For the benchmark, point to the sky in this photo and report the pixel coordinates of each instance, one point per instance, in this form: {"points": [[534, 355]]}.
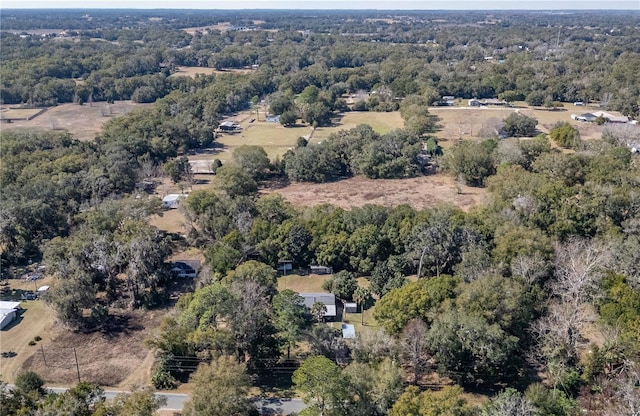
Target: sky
{"points": [[326, 4]]}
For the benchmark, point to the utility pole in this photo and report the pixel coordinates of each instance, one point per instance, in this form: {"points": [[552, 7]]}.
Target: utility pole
{"points": [[75, 354], [43, 356]]}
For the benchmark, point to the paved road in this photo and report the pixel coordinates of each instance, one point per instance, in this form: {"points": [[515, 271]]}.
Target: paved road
{"points": [[176, 401]]}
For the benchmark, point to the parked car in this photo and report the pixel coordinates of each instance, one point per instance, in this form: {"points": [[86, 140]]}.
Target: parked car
{"points": [[28, 296]]}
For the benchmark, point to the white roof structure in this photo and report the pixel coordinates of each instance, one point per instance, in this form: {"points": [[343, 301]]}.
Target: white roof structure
{"points": [[611, 117], [172, 197], [9, 305], [43, 288], [348, 331], [8, 312]]}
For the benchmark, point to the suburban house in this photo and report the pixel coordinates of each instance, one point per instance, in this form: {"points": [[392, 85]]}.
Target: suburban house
{"points": [[185, 268], [172, 201], [328, 299], [8, 312]]}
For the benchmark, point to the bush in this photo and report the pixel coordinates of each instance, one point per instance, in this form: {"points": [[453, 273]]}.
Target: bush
{"points": [[37, 338], [29, 381], [565, 135], [32, 343], [519, 125]]}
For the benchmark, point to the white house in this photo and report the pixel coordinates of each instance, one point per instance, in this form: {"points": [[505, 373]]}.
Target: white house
{"points": [[172, 201], [8, 312]]}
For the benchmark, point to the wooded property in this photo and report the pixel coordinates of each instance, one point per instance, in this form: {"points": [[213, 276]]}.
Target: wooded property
{"points": [[371, 212]]}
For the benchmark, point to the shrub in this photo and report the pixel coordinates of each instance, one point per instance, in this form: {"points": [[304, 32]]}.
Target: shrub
{"points": [[29, 381], [565, 135]]}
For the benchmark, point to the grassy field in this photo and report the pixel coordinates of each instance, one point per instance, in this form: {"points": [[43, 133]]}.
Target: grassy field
{"points": [[36, 320], [84, 122], [465, 122], [297, 283], [273, 137], [381, 122], [192, 71]]}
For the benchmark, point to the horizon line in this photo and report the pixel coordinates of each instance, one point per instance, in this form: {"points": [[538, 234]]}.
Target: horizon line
{"points": [[315, 9]]}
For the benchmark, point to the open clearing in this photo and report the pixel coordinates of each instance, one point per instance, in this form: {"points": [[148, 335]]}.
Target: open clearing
{"points": [[36, 320], [192, 71], [472, 122], [84, 122], [421, 192], [277, 139], [114, 356], [380, 122], [107, 357]]}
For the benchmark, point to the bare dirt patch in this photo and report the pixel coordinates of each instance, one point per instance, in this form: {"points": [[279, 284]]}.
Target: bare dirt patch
{"points": [[422, 192], [84, 122]]}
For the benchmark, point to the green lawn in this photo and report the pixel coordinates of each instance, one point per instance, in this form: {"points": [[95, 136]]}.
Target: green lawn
{"points": [[381, 122], [302, 284]]}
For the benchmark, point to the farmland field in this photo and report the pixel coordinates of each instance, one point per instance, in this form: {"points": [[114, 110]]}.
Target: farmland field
{"points": [[84, 122]]}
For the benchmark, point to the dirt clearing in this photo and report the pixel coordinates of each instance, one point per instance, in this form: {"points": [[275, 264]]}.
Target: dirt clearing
{"points": [[420, 193]]}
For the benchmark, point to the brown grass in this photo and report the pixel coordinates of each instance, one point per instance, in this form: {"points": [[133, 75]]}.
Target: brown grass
{"points": [[422, 192], [301, 284], [192, 71], [106, 358], [464, 123], [37, 320], [84, 122]]}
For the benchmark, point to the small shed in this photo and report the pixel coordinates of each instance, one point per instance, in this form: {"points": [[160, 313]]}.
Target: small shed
{"points": [[8, 312], [351, 307], [474, 103], [172, 201], [320, 270], [42, 290], [348, 331], [228, 126]]}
